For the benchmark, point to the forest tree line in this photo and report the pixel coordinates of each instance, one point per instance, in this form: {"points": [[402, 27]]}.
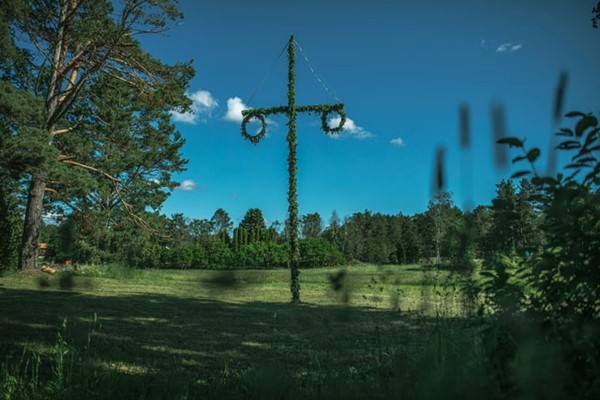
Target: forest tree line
{"points": [[442, 234]]}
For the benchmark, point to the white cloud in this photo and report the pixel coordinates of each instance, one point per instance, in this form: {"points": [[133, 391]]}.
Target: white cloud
{"points": [[516, 47], [350, 128], [235, 106], [187, 185], [203, 103], [506, 47], [398, 142]]}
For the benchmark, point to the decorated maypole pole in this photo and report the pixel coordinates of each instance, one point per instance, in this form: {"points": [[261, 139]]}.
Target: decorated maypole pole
{"points": [[292, 110]]}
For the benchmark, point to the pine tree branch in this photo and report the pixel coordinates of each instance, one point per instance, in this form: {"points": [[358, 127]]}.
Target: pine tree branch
{"points": [[128, 208], [63, 131], [62, 198], [134, 65], [136, 218], [70, 161]]}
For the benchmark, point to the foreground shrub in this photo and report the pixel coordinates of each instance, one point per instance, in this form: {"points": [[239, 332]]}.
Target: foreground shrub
{"points": [[561, 283]]}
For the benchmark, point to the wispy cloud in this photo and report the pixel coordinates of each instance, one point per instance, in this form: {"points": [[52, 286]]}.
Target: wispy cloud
{"points": [[203, 103], [508, 47], [516, 47], [187, 185], [235, 106], [398, 142], [350, 128]]}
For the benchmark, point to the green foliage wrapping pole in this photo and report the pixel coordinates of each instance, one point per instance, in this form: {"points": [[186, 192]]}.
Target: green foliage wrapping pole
{"points": [[292, 110], [292, 170]]}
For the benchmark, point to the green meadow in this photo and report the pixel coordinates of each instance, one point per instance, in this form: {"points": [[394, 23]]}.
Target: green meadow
{"points": [[361, 331]]}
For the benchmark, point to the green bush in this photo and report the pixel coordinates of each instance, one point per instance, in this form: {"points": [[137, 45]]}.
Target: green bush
{"points": [[318, 252], [561, 281], [218, 254], [263, 255]]}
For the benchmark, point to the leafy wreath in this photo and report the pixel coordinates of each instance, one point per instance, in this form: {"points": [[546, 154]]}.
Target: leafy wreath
{"points": [[263, 130], [325, 125]]}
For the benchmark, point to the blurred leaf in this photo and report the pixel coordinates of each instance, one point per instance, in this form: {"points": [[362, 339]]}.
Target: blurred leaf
{"points": [[465, 128], [536, 180], [533, 154], [566, 132], [586, 160], [536, 198], [591, 137], [586, 122], [224, 280], [520, 174], [591, 177], [518, 158], [569, 145], [337, 280], [574, 114], [511, 141], [560, 95]]}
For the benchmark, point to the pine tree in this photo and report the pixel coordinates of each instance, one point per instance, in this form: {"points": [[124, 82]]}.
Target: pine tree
{"points": [[505, 219], [311, 225], [254, 224], [74, 44], [221, 223], [515, 222]]}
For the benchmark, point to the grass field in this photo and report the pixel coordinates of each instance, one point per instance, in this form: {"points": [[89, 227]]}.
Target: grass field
{"points": [[361, 331]]}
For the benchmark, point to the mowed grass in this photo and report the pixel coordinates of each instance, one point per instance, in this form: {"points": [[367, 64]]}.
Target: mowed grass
{"points": [[222, 334]]}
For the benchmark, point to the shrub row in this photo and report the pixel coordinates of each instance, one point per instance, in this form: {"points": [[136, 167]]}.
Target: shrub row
{"points": [[213, 253]]}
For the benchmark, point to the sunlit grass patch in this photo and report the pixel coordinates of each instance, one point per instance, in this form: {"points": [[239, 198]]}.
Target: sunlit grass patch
{"points": [[212, 331]]}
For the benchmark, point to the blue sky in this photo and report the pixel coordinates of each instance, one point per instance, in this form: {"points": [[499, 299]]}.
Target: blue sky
{"points": [[402, 69]]}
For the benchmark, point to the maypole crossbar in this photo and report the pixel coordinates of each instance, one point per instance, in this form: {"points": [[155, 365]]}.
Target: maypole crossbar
{"points": [[292, 110]]}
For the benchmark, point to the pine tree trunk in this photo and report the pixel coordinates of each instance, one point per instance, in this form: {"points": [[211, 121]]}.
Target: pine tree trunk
{"points": [[33, 215], [33, 220]]}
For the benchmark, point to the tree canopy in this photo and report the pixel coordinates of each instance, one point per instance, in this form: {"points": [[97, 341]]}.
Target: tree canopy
{"points": [[80, 93]]}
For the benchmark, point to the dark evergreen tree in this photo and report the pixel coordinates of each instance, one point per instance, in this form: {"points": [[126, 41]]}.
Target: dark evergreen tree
{"points": [[481, 222], [253, 223], [333, 231], [221, 224], [10, 221], [179, 233], [529, 234], [200, 228], [515, 221], [408, 247], [311, 225], [505, 219]]}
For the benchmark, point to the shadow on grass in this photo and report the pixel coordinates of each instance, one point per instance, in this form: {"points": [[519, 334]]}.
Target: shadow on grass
{"points": [[151, 329], [153, 337]]}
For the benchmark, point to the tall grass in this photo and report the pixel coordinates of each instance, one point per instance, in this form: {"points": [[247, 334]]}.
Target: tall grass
{"points": [[156, 342]]}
